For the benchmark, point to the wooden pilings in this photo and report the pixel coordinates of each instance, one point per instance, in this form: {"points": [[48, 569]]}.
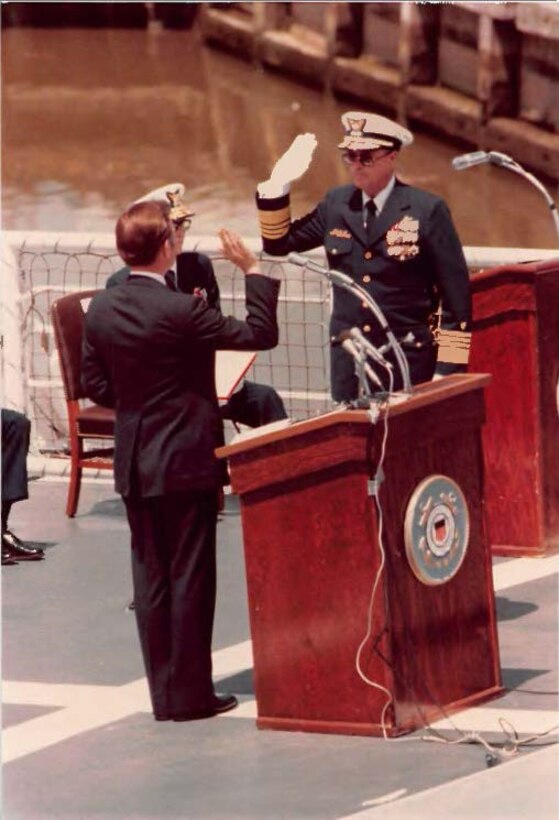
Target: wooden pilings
{"points": [[483, 73]]}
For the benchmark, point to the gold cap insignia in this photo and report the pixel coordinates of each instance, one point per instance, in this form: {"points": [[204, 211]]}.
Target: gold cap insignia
{"points": [[179, 212], [356, 127]]}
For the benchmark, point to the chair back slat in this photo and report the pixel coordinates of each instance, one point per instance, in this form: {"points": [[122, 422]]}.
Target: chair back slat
{"points": [[68, 315]]}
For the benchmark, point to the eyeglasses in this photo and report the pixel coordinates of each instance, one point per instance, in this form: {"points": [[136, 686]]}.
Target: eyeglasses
{"points": [[365, 158], [182, 224]]}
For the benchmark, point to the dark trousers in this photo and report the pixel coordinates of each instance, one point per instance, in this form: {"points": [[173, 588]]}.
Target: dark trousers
{"points": [[16, 430], [174, 574], [254, 404]]}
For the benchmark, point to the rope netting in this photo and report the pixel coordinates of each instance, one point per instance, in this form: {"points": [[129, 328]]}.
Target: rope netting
{"points": [[43, 272]]}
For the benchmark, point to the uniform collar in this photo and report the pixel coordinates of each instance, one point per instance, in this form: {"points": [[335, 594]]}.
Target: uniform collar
{"points": [[382, 196]]}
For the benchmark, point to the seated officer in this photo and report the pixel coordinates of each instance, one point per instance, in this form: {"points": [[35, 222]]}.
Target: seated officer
{"points": [[252, 404]]}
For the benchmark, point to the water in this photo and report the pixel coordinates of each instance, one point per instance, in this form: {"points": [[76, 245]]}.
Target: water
{"points": [[93, 119]]}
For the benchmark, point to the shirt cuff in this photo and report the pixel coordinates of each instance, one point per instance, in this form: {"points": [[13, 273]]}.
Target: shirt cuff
{"points": [[271, 189]]}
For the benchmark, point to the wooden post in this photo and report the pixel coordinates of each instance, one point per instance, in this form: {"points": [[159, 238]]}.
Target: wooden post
{"points": [[499, 52], [418, 43]]}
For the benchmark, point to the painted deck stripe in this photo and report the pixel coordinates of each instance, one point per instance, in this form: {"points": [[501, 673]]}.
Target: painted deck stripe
{"points": [[527, 782], [486, 719], [82, 708], [522, 570]]}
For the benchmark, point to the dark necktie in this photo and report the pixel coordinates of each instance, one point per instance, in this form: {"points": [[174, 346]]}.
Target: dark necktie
{"points": [[170, 280], [371, 216]]}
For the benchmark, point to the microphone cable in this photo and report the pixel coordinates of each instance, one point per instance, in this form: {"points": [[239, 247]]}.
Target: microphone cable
{"points": [[376, 480]]}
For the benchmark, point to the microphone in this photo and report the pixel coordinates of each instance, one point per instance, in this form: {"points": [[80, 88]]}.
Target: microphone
{"points": [[374, 353], [350, 347], [468, 160], [335, 276], [496, 158]]}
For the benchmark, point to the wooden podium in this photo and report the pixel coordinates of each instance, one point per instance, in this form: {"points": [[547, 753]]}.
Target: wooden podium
{"points": [[312, 555], [516, 339]]}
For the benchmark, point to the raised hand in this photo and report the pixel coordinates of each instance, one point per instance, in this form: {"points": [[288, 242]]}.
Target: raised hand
{"points": [[235, 250], [293, 164], [290, 166]]}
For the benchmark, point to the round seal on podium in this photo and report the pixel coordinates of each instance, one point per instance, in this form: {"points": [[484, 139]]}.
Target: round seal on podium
{"points": [[436, 530]]}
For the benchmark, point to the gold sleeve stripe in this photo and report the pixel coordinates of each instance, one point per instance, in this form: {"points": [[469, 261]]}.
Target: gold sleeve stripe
{"points": [[274, 224], [276, 233], [454, 346]]}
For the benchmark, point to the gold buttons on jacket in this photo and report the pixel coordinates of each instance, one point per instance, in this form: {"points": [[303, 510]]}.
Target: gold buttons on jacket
{"points": [[367, 278], [368, 255], [367, 328], [334, 251]]}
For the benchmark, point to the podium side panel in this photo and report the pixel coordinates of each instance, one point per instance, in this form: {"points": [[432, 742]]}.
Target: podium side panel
{"points": [[505, 345], [516, 339], [547, 295], [511, 436], [311, 558]]}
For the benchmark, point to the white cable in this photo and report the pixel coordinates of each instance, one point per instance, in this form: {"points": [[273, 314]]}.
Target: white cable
{"points": [[360, 672]]}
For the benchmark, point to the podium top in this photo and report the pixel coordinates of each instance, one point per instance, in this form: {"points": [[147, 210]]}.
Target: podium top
{"points": [[524, 271], [423, 395]]}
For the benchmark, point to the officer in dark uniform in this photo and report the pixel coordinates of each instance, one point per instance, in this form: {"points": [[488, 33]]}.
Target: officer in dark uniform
{"points": [[396, 241], [252, 404]]}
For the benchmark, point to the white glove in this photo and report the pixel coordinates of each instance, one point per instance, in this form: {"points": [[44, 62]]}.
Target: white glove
{"points": [[290, 166]]}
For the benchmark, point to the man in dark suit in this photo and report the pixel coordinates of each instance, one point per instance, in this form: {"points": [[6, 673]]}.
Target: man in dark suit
{"points": [[149, 352], [252, 404], [16, 429], [396, 241]]}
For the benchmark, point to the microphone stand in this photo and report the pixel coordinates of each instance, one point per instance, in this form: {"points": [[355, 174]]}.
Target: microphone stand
{"points": [[365, 396], [504, 161], [507, 162], [344, 281]]}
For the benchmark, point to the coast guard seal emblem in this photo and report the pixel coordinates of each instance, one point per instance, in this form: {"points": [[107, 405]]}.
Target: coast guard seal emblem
{"points": [[436, 530]]}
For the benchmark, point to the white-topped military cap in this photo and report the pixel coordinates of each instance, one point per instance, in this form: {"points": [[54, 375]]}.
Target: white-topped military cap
{"points": [[364, 132], [173, 195]]}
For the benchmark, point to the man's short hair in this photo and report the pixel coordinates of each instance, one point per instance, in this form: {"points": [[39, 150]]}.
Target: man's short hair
{"points": [[140, 232]]}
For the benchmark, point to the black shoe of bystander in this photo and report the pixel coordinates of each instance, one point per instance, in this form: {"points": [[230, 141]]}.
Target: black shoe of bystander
{"points": [[14, 548]]}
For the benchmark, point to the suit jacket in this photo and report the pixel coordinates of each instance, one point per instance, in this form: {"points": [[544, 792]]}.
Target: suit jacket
{"points": [[149, 352], [194, 272], [411, 261]]}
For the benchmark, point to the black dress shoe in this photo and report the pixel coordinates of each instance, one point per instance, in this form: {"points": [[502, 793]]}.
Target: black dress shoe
{"points": [[218, 706], [224, 703], [14, 547], [7, 560]]}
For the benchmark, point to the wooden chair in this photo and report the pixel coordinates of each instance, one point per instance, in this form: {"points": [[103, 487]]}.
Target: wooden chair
{"points": [[84, 421]]}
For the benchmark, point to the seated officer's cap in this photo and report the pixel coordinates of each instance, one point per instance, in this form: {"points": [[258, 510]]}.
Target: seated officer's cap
{"points": [[171, 194], [365, 132]]}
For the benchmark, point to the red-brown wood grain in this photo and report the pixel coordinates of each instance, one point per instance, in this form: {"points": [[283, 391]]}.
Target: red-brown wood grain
{"points": [[516, 339], [312, 552]]}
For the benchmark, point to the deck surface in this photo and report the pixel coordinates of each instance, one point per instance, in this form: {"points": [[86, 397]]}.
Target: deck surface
{"points": [[80, 742]]}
